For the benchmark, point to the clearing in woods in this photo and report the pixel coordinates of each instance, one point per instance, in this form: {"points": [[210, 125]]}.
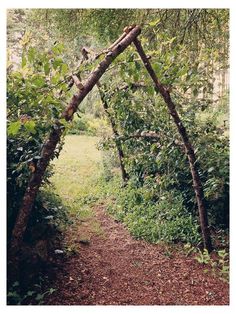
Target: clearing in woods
{"points": [[104, 264]]}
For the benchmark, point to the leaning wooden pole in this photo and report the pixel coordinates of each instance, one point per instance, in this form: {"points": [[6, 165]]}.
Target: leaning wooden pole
{"points": [[197, 185], [124, 173], [55, 135]]}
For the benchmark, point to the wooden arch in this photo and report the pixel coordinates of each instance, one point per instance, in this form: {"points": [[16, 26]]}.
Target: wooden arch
{"points": [[127, 38]]}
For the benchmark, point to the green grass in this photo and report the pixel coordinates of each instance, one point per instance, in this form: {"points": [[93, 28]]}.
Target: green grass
{"points": [[78, 181], [76, 173], [77, 168], [79, 175]]}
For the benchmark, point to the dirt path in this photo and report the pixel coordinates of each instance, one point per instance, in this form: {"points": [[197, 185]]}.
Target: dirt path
{"points": [[115, 269]]}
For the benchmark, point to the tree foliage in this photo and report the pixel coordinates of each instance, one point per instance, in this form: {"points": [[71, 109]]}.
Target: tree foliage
{"points": [[36, 94]]}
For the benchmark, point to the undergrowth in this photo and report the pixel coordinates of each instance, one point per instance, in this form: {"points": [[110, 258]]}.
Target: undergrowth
{"points": [[147, 215], [216, 263]]}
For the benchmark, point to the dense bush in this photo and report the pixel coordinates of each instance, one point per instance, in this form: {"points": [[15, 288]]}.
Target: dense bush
{"points": [[155, 217], [36, 93], [159, 202], [89, 125], [36, 96]]}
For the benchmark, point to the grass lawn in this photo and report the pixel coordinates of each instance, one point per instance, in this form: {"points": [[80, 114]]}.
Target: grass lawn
{"points": [[76, 181], [77, 168]]}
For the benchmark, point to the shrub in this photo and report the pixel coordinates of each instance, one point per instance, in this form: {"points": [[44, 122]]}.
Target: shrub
{"points": [[36, 92], [90, 125], [155, 217]]}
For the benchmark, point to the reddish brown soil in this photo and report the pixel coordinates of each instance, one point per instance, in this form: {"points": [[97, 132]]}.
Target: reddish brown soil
{"points": [[115, 269]]}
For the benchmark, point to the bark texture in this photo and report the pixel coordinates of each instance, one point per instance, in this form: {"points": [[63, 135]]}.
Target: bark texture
{"points": [[197, 185], [54, 137]]}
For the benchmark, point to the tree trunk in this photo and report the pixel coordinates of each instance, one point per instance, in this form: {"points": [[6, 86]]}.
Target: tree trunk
{"points": [[33, 186], [54, 137], [197, 185]]}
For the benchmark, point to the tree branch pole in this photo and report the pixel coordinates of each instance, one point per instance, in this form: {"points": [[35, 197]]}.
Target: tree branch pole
{"points": [[124, 174], [197, 185], [55, 135]]}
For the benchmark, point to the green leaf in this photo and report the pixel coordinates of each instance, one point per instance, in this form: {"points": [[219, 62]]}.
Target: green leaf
{"points": [[222, 253], [154, 23], [136, 77], [46, 68], [39, 297], [137, 65], [23, 61], [58, 49], [64, 68], [38, 81], [31, 54], [30, 293], [183, 71], [195, 92], [63, 121], [150, 91], [30, 126], [211, 169], [56, 78], [57, 63], [16, 284], [13, 294], [13, 128], [157, 68], [51, 290]]}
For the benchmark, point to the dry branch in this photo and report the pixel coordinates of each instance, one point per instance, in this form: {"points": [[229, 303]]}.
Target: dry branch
{"points": [[126, 30], [121, 156]]}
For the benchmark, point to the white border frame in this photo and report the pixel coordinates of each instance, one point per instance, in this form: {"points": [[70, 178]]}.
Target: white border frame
{"points": [[116, 4]]}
